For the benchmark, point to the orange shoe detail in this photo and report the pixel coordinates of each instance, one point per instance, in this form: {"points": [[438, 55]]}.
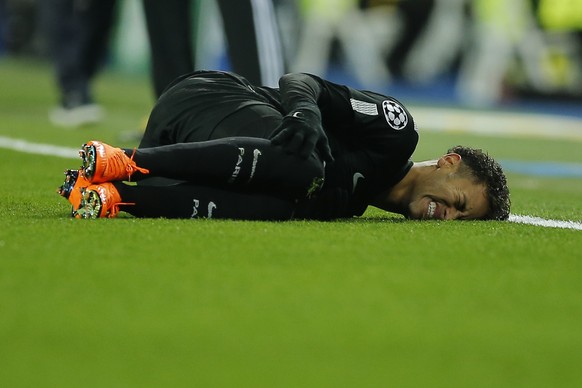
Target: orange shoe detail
{"points": [[74, 181], [104, 163], [98, 201]]}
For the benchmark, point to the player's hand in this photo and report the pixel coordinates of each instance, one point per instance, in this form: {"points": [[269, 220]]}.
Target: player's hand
{"points": [[300, 133]]}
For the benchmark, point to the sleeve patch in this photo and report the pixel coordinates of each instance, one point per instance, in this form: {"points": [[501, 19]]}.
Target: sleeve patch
{"points": [[365, 108], [395, 114]]}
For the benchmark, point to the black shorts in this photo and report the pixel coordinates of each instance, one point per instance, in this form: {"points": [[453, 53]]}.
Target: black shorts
{"points": [[207, 106]]}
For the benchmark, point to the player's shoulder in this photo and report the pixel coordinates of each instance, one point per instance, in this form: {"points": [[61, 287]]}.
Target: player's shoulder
{"points": [[382, 107]]}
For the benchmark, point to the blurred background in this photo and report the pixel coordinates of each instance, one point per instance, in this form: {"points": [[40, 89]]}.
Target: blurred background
{"points": [[479, 54]]}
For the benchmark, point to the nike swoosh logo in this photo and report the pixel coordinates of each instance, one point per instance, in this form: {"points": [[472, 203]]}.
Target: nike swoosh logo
{"points": [[256, 154], [355, 179], [211, 207]]}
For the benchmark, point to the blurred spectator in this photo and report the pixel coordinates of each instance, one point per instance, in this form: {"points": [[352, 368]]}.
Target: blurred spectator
{"points": [[507, 46], [562, 21], [288, 15], [492, 49], [18, 20], [438, 41], [251, 30], [2, 26], [324, 21], [409, 19], [78, 34]]}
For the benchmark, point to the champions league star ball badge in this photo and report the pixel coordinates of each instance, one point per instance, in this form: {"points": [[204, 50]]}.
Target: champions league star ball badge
{"points": [[395, 114]]}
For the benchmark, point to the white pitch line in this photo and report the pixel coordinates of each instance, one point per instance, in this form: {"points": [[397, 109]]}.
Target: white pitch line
{"points": [[38, 148], [530, 220]]}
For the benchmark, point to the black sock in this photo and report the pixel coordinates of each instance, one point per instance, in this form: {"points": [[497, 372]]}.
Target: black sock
{"points": [[194, 201]]}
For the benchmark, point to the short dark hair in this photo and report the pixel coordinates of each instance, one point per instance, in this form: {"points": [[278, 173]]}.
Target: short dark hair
{"points": [[485, 170]]}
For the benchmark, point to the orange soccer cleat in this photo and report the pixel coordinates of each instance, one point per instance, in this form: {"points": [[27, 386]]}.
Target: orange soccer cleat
{"points": [[104, 163], [97, 201]]}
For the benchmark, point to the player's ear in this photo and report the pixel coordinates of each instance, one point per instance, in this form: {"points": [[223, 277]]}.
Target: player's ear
{"points": [[449, 160]]}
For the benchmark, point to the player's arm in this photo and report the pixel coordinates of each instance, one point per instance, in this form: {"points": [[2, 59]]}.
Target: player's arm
{"points": [[372, 122], [301, 131]]}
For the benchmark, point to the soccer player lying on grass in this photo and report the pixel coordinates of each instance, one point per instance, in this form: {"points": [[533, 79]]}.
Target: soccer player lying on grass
{"points": [[218, 147]]}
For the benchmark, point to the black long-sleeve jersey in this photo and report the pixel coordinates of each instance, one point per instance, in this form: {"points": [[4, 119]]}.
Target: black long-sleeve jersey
{"points": [[372, 136]]}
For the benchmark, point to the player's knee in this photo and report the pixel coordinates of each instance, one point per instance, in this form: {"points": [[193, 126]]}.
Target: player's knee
{"points": [[310, 175]]}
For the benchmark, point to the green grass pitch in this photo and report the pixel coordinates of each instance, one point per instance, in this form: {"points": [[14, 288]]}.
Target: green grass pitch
{"points": [[371, 302]]}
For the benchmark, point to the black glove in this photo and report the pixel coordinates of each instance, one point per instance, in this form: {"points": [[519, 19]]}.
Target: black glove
{"points": [[300, 133]]}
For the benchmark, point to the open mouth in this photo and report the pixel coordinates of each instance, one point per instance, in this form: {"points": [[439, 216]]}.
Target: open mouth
{"points": [[431, 209]]}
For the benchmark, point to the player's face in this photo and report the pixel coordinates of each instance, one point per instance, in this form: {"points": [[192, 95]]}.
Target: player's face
{"points": [[445, 195]]}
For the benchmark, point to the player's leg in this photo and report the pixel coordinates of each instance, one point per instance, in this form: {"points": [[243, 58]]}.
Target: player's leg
{"points": [[77, 36], [63, 32], [169, 30], [254, 43], [98, 17], [176, 201], [211, 145], [195, 201], [237, 161]]}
